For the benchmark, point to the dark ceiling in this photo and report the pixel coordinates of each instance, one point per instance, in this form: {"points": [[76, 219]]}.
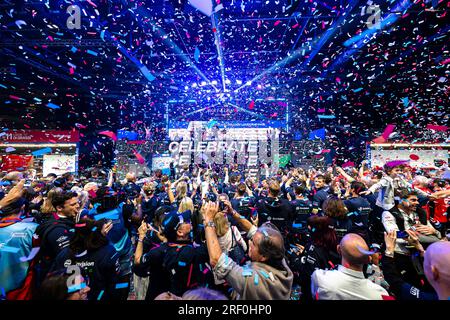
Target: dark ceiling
{"points": [[130, 59]]}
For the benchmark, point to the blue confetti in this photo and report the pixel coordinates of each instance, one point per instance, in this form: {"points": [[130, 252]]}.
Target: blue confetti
{"points": [[92, 52], [167, 221], [74, 50], [182, 264], [41, 152], [196, 54], [320, 116], [357, 90], [52, 106], [100, 295], [405, 101], [122, 285], [111, 214], [76, 287], [265, 275]]}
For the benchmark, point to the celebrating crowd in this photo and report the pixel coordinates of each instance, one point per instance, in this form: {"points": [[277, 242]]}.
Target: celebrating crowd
{"points": [[218, 233]]}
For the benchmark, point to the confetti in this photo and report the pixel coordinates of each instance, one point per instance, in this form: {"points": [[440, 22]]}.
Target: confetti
{"points": [[41, 152], [110, 134], [113, 215], [53, 106], [122, 285], [196, 54]]}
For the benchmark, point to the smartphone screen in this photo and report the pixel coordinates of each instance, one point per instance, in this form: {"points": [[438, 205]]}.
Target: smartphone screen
{"points": [[402, 234]]}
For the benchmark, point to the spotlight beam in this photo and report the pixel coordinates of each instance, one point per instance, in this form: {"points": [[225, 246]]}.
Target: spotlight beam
{"points": [[319, 43], [219, 48], [169, 43]]}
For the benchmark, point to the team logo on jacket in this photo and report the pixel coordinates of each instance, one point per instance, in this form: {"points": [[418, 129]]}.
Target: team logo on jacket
{"points": [[67, 263]]}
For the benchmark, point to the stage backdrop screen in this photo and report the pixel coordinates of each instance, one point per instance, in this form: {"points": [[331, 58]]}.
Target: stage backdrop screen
{"points": [[416, 157], [58, 164]]}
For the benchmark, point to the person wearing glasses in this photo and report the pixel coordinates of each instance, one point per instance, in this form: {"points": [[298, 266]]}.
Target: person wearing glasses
{"points": [[267, 276]]}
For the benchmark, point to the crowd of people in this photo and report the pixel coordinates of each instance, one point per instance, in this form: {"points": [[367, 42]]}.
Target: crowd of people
{"points": [[218, 233]]}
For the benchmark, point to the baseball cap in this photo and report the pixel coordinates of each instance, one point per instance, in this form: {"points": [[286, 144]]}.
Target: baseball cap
{"points": [[173, 220]]}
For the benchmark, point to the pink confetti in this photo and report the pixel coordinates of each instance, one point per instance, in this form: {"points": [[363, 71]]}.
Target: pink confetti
{"points": [[389, 129], [277, 23], [110, 134], [348, 164], [91, 3], [140, 158], [437, 128], [251, 105]]}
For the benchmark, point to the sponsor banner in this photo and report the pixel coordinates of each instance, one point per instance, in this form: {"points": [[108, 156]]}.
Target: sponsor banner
{"points": [[37, 136], [15, 162]]}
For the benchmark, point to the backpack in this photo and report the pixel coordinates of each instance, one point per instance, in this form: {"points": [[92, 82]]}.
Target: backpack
{"points": [[236, 253]]}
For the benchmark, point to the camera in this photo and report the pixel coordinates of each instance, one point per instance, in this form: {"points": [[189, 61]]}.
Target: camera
{"points": [[402, 234], [222, 206]]}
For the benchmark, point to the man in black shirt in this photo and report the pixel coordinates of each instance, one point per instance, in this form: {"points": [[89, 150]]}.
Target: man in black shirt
{"points": [[150, 202], [176, 265], [55, 232], [241, 203], [274, 209], [320, 193], [93, 256], [358, 210], [301, 205]]}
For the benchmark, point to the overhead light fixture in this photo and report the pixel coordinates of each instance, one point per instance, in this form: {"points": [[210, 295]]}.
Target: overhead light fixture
{"points": [[238, 81], [227, 81], [214, 82], [194, 85]]}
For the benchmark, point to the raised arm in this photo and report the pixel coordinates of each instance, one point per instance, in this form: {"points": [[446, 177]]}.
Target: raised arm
{"points": [[344, 174], [227, 178], [169, 192], [212, 242]]}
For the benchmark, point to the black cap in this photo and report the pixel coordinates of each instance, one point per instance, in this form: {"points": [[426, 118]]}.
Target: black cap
{"points": [[173, 220]]}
